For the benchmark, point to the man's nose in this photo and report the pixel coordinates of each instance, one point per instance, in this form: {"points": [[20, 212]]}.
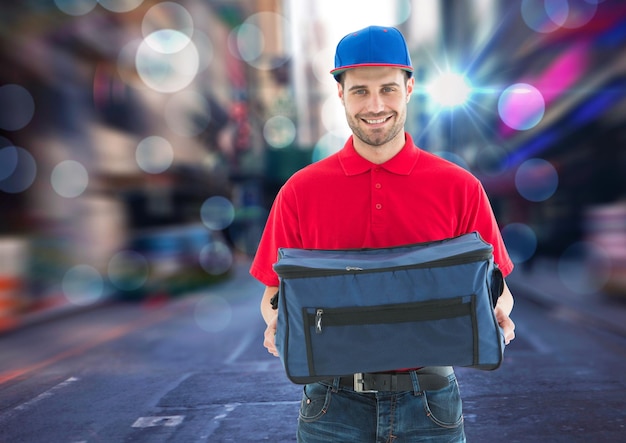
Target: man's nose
{"points": [[375, 103]]}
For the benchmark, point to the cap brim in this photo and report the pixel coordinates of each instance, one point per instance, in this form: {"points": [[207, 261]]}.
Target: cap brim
{"points": [[342, 69]]}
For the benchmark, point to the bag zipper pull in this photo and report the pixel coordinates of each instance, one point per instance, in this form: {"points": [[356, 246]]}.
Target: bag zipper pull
{"points": [[318, 321]]}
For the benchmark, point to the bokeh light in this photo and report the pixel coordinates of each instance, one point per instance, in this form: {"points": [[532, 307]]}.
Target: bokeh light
{"points": [[571, 14], [167, 27], [8, 161], [167, 41], [247, 228], [521, 106], [453, 158], [403, 11], [536, 180], [327, 145], [491, 160], [217, 213], [250, 42], [23, 174], [216, 258], [83, 285], [324, 58], [154, 154], [213, 313], [5, 142], [536, 16], [584, 268], [75, 7], [547, 16], [69, 179], [17, 107], [333, 116], [205, 48], [279, 131], [128, 270], [187, 113], [127, 64], [520, 241], [120, 5], [167, 72]]}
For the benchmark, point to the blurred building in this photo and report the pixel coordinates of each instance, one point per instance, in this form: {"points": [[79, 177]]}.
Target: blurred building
{"points": [[118, 121]]}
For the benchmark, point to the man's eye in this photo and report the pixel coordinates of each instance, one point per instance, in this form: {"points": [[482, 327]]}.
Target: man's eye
{"points": [[388, 89]]}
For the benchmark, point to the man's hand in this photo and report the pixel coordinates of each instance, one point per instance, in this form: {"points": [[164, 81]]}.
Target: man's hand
{"points": [[503, 309], [505, 323], [270, 316], [270, 337]]}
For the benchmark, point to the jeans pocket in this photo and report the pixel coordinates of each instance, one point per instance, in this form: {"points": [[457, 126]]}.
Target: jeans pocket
{"points": [[444, 406], [315, 401]]}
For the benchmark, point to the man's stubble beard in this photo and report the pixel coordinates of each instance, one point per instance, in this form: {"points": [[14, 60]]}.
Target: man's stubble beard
{"points": [[376, 138]]}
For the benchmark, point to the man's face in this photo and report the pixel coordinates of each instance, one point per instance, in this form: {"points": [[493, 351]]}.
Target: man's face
{"points": [[375, 100]]}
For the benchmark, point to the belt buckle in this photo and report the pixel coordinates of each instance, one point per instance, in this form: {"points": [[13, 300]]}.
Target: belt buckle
{"points": [[359, 384]]}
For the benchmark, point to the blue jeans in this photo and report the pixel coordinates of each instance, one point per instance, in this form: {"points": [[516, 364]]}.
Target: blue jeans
{"points": [[330, 413]]}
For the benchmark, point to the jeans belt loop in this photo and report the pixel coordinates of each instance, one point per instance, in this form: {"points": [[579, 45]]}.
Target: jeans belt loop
{"points": [[416, 383]]}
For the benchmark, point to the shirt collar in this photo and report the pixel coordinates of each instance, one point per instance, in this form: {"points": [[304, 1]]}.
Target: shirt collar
{"points": [[402, 163]]}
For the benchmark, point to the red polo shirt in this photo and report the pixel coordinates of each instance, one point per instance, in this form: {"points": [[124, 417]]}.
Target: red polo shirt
{"points": [[345, 201]]}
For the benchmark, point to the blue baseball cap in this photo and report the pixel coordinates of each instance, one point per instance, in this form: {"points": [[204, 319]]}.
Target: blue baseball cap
{"points": [[372, 46]]}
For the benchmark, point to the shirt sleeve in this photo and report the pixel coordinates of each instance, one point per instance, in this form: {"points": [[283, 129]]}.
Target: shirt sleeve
{"points": [[281, 230], [484, 221]]}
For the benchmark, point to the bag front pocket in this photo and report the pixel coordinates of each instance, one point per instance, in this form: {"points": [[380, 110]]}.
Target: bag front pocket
{"points": [[364, 339]]}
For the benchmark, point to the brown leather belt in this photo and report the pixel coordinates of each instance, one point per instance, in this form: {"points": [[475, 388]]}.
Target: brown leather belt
{"points": [[428, 380]]}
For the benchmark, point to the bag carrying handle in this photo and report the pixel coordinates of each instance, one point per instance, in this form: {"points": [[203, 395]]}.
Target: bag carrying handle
{"points": [[274, 301], [497, 285]]}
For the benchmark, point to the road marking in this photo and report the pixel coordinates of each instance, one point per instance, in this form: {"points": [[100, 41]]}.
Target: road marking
{"points": [[49, 393], [166, 420], [230, 407]]}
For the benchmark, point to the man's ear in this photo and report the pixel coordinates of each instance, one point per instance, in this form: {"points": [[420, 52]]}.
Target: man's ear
{"points": [[410, 84], [340, 91]]}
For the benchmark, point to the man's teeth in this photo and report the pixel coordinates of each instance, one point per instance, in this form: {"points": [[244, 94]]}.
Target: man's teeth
{"points": [[373, 122]]}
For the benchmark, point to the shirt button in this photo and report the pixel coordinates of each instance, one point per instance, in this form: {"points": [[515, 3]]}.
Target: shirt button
{"points": [[378, 186], [379, 206]]}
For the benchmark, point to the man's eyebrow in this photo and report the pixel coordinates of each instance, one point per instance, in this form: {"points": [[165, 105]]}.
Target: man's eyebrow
{"points": [[385, 85], [355, 87]]}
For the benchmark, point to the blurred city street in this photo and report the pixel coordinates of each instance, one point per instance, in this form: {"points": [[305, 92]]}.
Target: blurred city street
{"points": [[193, 369], [142, 144]]}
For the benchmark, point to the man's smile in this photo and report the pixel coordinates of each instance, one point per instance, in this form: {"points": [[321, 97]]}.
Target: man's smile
{"points": [[376, 121]]}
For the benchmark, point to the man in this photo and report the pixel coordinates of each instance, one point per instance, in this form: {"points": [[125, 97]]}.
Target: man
{"points": [[380, 190]]}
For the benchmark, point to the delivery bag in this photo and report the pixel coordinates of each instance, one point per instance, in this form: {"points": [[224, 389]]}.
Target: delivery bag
{"points": [[347, 311]]}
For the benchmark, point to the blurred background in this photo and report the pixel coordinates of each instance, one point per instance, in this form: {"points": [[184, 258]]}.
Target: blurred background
{"points": [[142, 142]]}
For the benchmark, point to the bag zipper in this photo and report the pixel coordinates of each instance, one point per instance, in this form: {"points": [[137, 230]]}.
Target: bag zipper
{"points": [[298, 271], [396, 313]]}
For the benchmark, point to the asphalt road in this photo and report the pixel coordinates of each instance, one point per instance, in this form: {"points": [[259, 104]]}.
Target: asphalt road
{"points": [[193, 369]]}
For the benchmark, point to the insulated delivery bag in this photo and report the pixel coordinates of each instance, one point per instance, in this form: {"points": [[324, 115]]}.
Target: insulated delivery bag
{"points": [[342, 312]]}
